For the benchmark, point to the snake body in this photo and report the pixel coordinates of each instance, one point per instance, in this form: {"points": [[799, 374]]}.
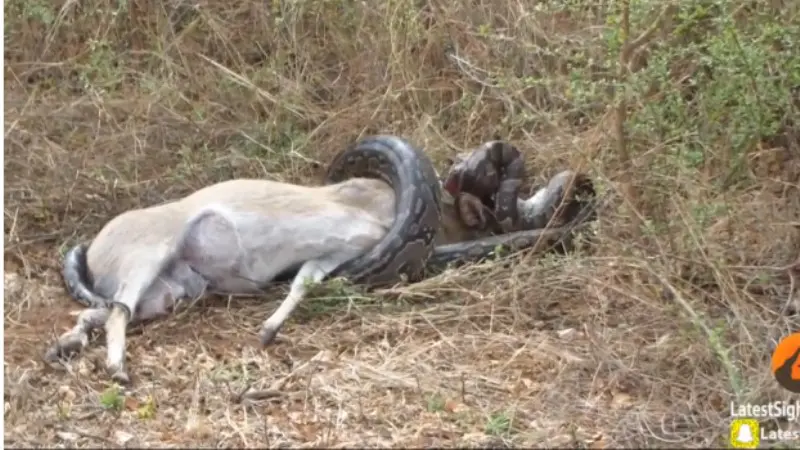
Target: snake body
{"points": [[407, 246], [542, 239]]}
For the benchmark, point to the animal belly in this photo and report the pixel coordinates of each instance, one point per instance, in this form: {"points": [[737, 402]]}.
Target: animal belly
{"points": [[235, 283], [226, 276], [256, 269], [159, 298]]}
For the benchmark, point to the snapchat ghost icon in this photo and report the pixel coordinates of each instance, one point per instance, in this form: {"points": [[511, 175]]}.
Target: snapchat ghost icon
{"points": [[745, 433]]}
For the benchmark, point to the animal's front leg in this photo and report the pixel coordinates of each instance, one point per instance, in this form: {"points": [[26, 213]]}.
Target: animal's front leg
{"points": [[311, 272], [74, 340]]}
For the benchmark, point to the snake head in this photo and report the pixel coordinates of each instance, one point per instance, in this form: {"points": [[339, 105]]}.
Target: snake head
{"points": [[474, 173]]}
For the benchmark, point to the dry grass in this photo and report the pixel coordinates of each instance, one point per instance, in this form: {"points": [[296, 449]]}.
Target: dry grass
{"points": [[645, 341]]}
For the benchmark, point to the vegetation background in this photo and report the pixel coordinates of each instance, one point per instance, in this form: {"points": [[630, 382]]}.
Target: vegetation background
{"points": [[684, 112]]}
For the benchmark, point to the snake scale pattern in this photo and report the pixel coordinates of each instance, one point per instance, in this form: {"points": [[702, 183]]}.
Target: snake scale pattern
{"points": [[407, 246]]}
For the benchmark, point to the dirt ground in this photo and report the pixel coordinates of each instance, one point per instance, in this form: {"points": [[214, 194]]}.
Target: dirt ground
{"points": [[644, 339]]}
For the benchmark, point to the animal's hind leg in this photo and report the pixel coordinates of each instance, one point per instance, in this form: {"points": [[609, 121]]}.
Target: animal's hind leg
{"points": [[311, 272], [210, 245], [139, 286], [124, 308], [74, 340]]}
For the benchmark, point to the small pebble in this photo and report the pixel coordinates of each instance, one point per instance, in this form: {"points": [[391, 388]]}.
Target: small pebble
{"points": [[122, 437], [567, 333], [67, 436], [66, 393]]}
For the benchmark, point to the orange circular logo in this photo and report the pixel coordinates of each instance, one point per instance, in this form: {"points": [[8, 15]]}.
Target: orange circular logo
{"points": [[786, 363]]}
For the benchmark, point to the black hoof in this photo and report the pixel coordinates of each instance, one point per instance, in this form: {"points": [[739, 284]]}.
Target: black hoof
{"points": [[52, 356], [63, 349], [267, 336], [121, 378], [119, 375]]}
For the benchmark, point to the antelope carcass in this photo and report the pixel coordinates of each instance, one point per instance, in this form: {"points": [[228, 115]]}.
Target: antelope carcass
{"points": [[374, 223]]}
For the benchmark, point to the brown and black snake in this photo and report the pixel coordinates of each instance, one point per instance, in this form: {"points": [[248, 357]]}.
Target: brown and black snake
{"points": [[494, 172], [408, 247], [570, 206]]}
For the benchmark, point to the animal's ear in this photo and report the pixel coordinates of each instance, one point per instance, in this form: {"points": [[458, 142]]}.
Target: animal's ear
{"points": [[472, 211]]}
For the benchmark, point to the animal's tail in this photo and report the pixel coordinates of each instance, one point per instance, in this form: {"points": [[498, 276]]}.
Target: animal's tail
{"points": [[76, 277]]}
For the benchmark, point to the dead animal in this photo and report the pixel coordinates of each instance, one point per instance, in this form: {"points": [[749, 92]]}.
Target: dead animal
{"points": [[374, 222]]}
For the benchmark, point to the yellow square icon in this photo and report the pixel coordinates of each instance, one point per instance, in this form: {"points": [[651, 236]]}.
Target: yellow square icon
{"points": [[745, 433]]}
